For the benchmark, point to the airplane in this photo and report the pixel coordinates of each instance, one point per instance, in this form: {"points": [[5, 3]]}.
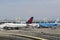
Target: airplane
{"points": [[9, 26], [17, 26], [49, 25]]}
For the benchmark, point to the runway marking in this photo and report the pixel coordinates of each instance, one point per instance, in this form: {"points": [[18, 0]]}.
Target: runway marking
{"points": [[44, 35], [26, 36], [47, 35], [32, 37]]}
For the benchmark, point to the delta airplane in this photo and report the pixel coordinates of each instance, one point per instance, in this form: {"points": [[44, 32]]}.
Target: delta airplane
{"points": [[10, 26]]}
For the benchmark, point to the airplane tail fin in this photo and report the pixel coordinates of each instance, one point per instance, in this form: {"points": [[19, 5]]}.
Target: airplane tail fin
{"points": [[30, 20], [57, 21]]}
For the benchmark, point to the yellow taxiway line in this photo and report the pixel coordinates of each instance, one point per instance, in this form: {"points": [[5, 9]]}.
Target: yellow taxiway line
{"points": [[26, 36], [31, 37]]}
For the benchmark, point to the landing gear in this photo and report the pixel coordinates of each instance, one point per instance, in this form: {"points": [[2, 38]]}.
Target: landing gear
{"points": [[7, 28]]}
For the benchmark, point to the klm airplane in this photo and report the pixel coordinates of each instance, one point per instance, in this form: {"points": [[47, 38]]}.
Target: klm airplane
{"points": [[49, 25]]}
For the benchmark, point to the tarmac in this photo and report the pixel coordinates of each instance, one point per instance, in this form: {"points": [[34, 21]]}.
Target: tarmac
{"points": [[45, 33], [4, 36]]}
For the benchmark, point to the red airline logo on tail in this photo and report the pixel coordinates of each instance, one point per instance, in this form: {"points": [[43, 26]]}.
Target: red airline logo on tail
{"points": [[30, 20]]}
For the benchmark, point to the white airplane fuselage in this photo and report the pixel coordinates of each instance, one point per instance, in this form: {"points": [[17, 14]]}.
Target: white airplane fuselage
{"points": [[14, 25]]}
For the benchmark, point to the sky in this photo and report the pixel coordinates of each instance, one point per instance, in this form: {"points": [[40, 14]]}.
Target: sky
{"points": [[24, 9]]}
